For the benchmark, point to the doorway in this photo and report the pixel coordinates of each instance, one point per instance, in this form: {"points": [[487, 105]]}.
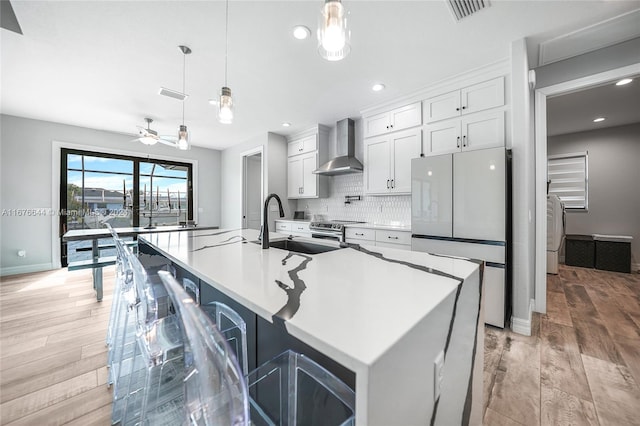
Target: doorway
{"points": [[252, 189], [541, 96]]}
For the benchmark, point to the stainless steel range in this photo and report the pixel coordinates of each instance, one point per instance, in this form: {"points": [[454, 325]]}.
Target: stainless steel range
{"points": [[330, 229]]}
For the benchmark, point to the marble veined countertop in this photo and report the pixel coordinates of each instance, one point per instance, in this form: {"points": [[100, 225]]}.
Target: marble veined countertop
{"points": [[353, 304]]}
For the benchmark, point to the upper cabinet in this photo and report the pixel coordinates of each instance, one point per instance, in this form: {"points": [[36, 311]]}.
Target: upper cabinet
{"points": [[476, 131], [467, 100], [387, 169], [306, 151], [466, 119], [391, 121]]}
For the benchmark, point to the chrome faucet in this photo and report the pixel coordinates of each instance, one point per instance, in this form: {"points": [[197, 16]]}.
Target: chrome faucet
{"points": [[264, 230]]}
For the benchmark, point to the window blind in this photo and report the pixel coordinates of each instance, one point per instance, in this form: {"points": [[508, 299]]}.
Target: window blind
{"points": [[569, 179]]}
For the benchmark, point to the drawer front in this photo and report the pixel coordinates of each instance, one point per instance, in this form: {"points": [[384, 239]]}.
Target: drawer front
{"points": [[393, 237], [300, 227], [283, 226], [360, 234], [393, 246]]}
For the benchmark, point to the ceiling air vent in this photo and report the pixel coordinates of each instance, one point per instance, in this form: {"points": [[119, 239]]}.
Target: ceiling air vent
{"points": [[463, 8]]}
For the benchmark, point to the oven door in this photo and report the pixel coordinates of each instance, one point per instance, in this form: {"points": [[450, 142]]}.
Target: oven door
{"points": [[328, 235]]}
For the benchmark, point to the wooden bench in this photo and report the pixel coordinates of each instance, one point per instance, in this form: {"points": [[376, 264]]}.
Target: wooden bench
{"points": [[97, 265]]}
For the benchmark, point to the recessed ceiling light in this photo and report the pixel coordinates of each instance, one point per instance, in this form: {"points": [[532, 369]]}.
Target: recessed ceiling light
{"points": [[285, 124], [624, 81], [301, 32], [377, 87], [599, 119]]}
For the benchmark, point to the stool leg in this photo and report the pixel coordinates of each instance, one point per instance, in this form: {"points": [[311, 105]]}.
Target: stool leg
{"points": [[97, 283]]}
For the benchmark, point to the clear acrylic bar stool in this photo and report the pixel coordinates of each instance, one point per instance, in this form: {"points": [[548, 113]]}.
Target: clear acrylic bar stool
{"points": [[228, 321], [157, 368], [291, 389], [215, 391]]}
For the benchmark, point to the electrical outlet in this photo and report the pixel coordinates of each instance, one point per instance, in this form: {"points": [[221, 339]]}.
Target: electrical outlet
{"points": [[22, 253], [438, 365]]}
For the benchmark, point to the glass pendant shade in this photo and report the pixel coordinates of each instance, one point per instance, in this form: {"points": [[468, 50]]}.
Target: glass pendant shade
{"points": [[225, 106], [333, 35], [183, 138]]}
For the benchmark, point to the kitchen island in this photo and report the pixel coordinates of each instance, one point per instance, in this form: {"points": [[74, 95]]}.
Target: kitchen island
{"points": [[394, 318]]}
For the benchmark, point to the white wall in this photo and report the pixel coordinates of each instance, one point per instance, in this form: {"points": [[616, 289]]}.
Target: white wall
{"points": [[27, 173], [523, 193], [614, 175]]}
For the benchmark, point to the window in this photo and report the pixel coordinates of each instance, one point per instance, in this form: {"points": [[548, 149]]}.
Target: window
{"points": [[568, 178], [121, 190]]}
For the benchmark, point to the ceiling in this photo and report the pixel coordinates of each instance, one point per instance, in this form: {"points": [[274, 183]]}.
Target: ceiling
{"points": [[575, 112], [99, 64]]}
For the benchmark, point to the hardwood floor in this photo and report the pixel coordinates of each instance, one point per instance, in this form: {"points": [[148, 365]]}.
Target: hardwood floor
{"points": [[581, 366], [52, 351]]}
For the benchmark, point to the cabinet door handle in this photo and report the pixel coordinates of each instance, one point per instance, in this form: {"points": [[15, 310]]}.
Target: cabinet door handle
{"points": [[458, 143], [392, 238], [387, 183], [391, 126], [464, 140], [464, 107], [457, 109], [359, 234], [387, 127], [393, 185]]}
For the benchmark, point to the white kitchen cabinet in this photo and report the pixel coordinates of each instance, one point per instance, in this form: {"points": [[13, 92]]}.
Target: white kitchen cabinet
{"points": [[387, 165], [293, 227], [302, 145], [306, 151], [468, 100], [379, 237], [471, 132], [391, 121]]}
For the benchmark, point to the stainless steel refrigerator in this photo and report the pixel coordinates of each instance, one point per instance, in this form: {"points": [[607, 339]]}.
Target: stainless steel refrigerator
{"points": [[460, 205]]}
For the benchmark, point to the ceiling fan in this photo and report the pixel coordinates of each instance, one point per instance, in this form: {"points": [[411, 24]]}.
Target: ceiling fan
{"points": [[150, 137]]}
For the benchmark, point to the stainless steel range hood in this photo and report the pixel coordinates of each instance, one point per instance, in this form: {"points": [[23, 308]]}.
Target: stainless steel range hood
{"points": [[345, 162]]}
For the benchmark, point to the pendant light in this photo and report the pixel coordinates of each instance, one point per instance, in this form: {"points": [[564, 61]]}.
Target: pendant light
{"points": [[183, 134], [334, 38], [225, 103]]}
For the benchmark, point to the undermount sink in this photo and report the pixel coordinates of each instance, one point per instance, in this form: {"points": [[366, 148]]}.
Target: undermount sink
{"points": [[302, 246]]}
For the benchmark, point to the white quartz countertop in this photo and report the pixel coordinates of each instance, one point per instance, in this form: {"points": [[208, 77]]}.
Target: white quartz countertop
{"points": [[369, 225], [352, 304]]}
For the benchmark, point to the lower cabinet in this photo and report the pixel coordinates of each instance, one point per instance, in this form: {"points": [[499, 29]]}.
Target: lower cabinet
{"points": [[379, 237], [293, 227]]}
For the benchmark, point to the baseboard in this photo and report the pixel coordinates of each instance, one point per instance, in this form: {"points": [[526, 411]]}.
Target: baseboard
{"points": [[25, 269], [523, 325], [635, 267]]}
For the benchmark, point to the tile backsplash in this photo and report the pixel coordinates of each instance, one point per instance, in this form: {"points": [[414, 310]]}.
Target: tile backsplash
{"points": [[387, 210]]}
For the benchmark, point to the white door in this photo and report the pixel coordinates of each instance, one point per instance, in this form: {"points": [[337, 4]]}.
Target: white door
{"points": [[484, 130], [309, 180], [442, 138], [406, 146], [252, 210], [294, 176], [431, 196], [377, 165], [479, 194]]}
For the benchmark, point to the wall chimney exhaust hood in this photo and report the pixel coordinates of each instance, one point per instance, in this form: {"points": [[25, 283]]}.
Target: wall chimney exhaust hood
{"points": [[345, 162]]}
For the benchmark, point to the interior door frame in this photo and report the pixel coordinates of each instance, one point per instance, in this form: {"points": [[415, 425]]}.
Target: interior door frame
{"points": [[541, 96], [245, 160]]}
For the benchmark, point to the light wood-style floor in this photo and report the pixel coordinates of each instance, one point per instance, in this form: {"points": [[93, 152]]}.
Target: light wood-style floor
{"points": [[52, 349], [581, 366]]}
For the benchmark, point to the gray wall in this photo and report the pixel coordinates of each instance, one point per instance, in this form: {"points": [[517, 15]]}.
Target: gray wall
{"points": [[26, 181], [614, 176], [274, 159]]}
